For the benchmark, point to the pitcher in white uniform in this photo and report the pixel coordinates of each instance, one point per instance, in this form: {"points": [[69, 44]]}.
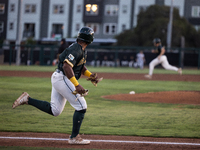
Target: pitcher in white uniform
{"points": [[160, 59]]}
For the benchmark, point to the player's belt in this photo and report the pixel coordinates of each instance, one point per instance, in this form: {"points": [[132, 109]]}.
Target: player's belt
{"points": [[59, 71]]}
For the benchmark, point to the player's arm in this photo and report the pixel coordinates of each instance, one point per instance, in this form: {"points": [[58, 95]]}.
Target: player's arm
{"points": [[86, 72], [91, 76], [70, 75]]}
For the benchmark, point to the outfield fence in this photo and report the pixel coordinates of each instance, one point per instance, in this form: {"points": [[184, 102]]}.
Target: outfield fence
{"points": [[115, 56]]}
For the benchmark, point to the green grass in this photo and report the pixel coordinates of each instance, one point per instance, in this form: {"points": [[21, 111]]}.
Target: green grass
{"points": [[103, 116], [99, 69]]}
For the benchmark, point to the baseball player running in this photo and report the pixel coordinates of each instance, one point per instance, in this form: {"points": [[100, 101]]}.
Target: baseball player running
{"points": [[65, 85], [160, 59]]}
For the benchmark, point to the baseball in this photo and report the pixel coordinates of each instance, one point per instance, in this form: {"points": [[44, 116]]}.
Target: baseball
{"points": [[132, 92]]}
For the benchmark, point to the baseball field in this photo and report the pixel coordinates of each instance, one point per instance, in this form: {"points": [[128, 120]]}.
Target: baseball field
{"points": [[164, 112]]}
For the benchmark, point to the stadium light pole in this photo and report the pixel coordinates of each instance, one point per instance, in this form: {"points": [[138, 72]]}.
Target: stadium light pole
{"points": [[19, 36], [169, 33]]}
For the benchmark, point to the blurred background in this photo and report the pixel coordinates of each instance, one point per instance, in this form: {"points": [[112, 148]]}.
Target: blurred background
{"points": [[31, 31]]}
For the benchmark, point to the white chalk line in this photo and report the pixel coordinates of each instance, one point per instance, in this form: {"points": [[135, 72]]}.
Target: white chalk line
{"points": [[105, 141]]}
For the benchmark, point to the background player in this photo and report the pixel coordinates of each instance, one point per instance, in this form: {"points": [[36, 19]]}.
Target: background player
{"points": [[140, 60], [63, 46], [160, 59], [64, 81]]}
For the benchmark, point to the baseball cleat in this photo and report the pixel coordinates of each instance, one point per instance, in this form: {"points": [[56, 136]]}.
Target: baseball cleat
{"points": [[180, 71], [23, 99], [148, 76], [78, 140]]}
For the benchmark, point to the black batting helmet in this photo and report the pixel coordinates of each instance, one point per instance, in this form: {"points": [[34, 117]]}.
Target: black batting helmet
{"points": [[156, 40], [86, 34]]}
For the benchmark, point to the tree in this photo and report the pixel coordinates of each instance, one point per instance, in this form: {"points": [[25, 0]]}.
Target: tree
{"points": [[153, 23]]}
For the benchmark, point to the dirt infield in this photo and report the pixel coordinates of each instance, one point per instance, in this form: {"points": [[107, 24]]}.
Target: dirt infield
{"points": [[120, 76], [172, 97], [118, 142]]}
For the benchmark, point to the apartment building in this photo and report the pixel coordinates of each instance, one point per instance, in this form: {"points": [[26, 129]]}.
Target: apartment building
{"points": [[3, 18], [192, 12], [54, 19]]}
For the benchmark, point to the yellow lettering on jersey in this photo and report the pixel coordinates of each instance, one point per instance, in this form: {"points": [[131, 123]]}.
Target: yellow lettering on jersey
{"points": [[82, 61]]}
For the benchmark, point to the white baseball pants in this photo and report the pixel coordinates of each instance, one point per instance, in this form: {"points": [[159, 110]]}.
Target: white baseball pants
{"points": [[62, 89], [163, 61]]}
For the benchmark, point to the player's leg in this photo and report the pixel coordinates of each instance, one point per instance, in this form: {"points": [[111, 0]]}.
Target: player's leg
{"points": [[41, 105], [57, 101], [62, 89], [152, 64], [166, 64], [80, 107], [26, 99], [141, 64], [54, 108], [77, 121]]}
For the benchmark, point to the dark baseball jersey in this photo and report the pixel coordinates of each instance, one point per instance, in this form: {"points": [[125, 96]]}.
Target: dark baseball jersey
{"points": [[75, 57], [158, 50]]}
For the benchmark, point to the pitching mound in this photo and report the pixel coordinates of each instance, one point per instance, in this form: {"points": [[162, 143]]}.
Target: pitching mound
{"points": [[173, 97]]}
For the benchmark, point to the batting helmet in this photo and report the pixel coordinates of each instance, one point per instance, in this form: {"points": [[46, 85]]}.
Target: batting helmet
{"points": [[86, 34], [156, 40]]}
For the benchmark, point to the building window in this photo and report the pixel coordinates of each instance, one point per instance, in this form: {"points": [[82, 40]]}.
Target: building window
{"points": [[11, 26], [142, 8], [57, 30], [110, 28], [77, 27], [91, 9], [29, 30], [1, 26], [30, 8], [12, 7], [78, 8], [124, 9], [123, 27], [94, 26], [58, 9], [2, 8], [111, 10], [195, 11]]}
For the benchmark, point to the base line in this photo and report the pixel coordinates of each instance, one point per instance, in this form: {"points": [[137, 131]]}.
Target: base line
{"points": [[105, 141]]}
